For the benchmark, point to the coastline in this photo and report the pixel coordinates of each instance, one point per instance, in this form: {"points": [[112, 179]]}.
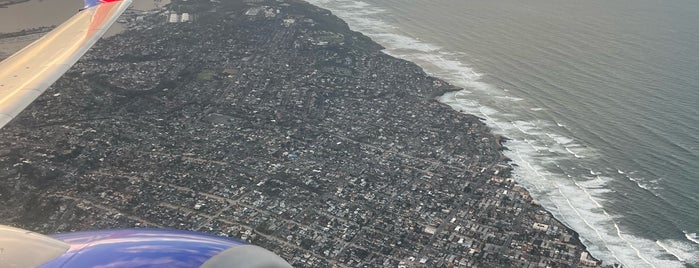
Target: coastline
{"points": [[7, 3], [501, 140], [495, 176]]}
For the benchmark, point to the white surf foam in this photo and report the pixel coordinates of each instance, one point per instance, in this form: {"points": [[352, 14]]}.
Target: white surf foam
{"points": [[510, 98], [574, 197], [669, 250], [681, 250], [639, 183], [692, 237]]}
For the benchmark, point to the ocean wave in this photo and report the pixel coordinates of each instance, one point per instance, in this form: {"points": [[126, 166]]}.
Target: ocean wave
{"points": [[692, 237], [682, 251], [573, 192], [650, 186]]}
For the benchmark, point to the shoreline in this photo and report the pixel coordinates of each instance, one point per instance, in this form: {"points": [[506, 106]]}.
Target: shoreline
{"points": [[366, 81], [501, 140], [501, 137], [130, 19], [574, 196], [8, 3]]}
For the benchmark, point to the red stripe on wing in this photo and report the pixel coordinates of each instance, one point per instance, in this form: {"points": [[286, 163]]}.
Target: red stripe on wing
{"points": [[101, 15]]}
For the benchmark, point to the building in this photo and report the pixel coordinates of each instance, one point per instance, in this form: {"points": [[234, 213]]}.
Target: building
{"points": [[185, 17], [586, 260], [541, 227], [174, 18]]}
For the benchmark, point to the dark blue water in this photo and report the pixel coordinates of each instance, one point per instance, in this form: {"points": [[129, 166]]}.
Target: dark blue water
{"points": [[600, 97]]}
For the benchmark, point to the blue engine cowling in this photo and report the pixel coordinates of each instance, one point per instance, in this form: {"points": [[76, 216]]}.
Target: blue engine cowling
{"points": [[130, 248]]}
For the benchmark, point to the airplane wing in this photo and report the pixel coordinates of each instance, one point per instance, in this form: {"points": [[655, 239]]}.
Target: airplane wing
{"points": [[21, 248], [28, 73]]}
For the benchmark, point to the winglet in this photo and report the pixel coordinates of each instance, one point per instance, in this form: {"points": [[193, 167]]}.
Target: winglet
{"points": [[92, 3]]}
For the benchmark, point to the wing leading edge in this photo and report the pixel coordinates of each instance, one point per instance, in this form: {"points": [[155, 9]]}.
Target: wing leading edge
{"points": [[28, 73]]}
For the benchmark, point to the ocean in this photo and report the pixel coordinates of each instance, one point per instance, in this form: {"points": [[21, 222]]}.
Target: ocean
{"points": [[600, 99]]}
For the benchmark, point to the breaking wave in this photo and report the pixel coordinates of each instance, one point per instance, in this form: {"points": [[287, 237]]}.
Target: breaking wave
{"points": [[682, 251], [692, 237], [551, 163]]}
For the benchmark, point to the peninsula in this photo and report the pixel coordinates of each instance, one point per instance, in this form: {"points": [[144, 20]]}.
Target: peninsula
{"points": [[271, 121]]}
